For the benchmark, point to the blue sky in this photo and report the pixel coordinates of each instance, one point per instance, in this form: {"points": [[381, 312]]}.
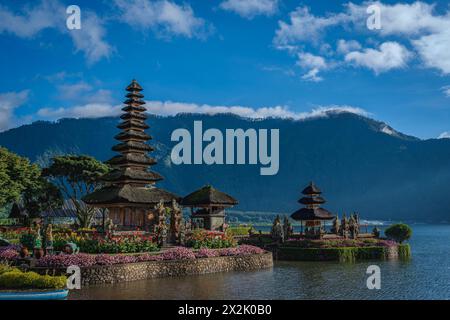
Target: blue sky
{"points": [[253, 57]]}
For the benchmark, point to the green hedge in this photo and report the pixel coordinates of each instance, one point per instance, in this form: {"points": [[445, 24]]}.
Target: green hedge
{"points": [[13, 278], [346, 254], [404, 251]]}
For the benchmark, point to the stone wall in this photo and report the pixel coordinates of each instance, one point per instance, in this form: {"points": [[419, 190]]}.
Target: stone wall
{"points": [[167, 268]]}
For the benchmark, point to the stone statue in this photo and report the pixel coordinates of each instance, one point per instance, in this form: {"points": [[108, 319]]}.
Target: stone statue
{"points": [[352, 227], [376, 232], [109, 227], [344, 227], [161, 227], [287, 228], [336, 225], [49, 239], [38, 252], [277, 230], [182, 241], [38, 239], [176, 219]]}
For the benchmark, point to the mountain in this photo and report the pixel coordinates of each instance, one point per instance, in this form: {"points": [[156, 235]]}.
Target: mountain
{"points": [[360, 164]]}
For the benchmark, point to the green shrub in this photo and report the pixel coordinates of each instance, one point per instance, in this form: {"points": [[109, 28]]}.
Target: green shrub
{"points": [[5, 268], [399, 232], [27, 240], [404, 251], [16, 279], [342, 254], [240, 230]]}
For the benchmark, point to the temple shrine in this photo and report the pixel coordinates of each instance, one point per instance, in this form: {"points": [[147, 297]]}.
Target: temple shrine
{"points": [[208, 207], [312, 216], [129, 193]]}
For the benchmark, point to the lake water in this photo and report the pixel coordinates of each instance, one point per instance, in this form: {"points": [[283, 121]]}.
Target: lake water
{"points": [[425, 276]]}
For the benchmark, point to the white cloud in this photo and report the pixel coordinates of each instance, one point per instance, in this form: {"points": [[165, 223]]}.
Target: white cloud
{"points": [[251, 8], [82, 92], [435, 50], [47, 14], [446, 91], [163, 16], [91, 110], [313, 64], [90, 38], [400, 19], [170, 108], [444, 135], [344, 46], [51, 14], [9, 101], [390, 55], [303, 26], [418, 24]]}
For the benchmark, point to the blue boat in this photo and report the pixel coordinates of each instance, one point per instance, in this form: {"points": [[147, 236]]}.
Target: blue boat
{"points": [[34, 295]]}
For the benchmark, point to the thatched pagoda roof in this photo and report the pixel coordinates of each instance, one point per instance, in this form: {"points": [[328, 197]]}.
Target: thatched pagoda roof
{"points": [[131, 180], [312, 200], [134, 86], [312, 214], [131, 159], [132, 134], [208, 196], [132, 145], [134, 107], [128, 194], [311, 189], [133, 124], [127, 174], [134, 116]]}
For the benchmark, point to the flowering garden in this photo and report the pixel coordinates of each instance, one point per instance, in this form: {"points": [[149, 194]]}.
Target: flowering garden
{"points": [[104, 249], [10, 255]]}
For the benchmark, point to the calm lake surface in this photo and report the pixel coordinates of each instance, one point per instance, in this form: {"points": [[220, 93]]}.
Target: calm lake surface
{"points": [[425, 276]]}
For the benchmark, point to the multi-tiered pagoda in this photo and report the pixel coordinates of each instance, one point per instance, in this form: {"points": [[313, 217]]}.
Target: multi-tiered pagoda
{"points": [[312, 215], [129, 193]]}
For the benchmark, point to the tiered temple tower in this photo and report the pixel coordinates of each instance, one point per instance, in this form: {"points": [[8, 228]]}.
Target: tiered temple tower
{"points": [[129, 193], [312, 215], [132, 165]]}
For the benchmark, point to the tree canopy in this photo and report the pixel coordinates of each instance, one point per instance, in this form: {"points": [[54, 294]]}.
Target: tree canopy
{"points": [[77, 176], [399, 232], [17, 174], [42, 197]]}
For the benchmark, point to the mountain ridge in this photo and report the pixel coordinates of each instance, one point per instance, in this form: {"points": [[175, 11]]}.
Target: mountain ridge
{"points": [[382, 175]]}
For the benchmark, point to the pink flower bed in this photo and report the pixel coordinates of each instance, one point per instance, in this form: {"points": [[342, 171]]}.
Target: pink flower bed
{"points": [[179, 253], [206, 253], [65, 260], [8, 254], [241, 251]]}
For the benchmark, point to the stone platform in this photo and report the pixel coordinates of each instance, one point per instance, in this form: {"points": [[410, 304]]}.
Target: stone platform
{"points": [[167, 268]]}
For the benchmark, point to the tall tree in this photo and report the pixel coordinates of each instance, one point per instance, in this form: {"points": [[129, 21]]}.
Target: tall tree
{"points": [[43, 197], [77, 176], [17, 174]]}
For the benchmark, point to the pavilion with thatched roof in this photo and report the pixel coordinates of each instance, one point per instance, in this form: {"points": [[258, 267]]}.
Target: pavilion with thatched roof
{"points": [[312, 216], [210, 204], [130, 194]]}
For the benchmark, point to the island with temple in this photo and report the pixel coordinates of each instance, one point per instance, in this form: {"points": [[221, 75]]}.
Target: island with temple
{"points": [[344, 240], [113, 221]]}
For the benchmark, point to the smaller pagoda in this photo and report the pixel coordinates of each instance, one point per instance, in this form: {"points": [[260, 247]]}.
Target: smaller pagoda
{"points": [[312, 216], [210, 205]]}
